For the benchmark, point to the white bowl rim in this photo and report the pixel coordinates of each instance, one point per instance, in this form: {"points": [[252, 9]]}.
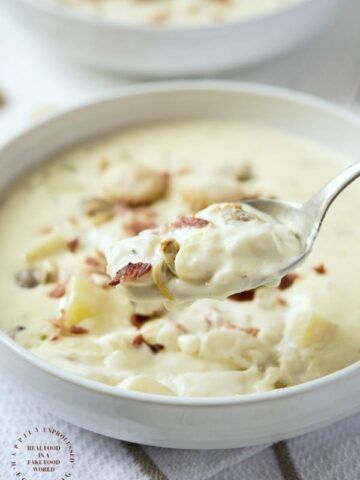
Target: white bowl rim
{"points": [[68, 14], [279, 93]]}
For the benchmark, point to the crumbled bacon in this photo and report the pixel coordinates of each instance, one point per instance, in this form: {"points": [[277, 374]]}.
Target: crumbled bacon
{"points": [[96, 262], [253, 331], [167, 177], [139, 340], [155, 347], [131, 271], [77, 330], [184, 222], [57, 292], [138, 320], [320, 269], [287, 281], [246, 296], [55, 338], [139, 219], [135, 227], [73, 245]]}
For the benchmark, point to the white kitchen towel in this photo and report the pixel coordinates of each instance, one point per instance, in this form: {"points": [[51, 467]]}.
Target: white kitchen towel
{"points": [[97, 457], [332, 453]]}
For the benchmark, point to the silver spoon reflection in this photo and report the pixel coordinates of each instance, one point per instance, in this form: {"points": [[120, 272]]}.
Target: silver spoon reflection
{"points": [[306, 219]]}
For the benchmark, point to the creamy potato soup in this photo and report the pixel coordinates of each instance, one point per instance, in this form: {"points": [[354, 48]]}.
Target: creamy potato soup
{"points": [[57, 300], [226, 248], [181, 12]]}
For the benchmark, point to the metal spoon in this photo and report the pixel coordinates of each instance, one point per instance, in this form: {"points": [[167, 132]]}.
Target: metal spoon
{"points": [[306, 219]]}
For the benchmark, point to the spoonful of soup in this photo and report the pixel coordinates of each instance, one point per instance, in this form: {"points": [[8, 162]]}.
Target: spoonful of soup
{"points": [[224, 249]]}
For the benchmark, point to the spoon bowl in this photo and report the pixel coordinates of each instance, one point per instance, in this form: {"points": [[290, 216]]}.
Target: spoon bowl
{"points": [[305, 220]]}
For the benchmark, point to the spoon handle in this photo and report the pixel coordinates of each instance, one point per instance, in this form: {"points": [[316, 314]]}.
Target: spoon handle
{"points": [[321, 202]]}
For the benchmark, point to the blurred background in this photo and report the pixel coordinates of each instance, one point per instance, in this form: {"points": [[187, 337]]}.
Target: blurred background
{"points": [[35, 82]]}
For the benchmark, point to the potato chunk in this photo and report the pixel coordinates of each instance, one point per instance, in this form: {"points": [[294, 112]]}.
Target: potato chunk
{"points": [[308, 328], [46, 247], [231, 346], [84, 300]]}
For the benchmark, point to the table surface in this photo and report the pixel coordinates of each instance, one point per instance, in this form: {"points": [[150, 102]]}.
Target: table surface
{"points": [[36, 82]]}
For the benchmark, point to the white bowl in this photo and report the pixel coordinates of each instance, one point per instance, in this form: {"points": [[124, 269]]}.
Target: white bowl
{"points": [[172, 51], [174, 421]]}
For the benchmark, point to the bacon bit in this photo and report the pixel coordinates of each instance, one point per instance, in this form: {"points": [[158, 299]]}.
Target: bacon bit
{"points": [[246, 296], [57, 292], [55, 338], [45, 230], [287, 281], [137, 341], [320, 269], [138, 320], [167, 177], [155, 347], [73, 245], [281, 301], [77, 330], [184, 222], [136, 227], [253, 331], [96, 262], [131, 271], [140, 219]]}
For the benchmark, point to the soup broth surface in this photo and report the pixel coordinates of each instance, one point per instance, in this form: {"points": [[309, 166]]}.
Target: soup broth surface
{"points": [[55, 298]]}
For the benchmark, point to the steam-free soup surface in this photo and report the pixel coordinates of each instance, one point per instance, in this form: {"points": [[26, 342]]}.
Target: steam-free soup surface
{"points": [[55, 296]]}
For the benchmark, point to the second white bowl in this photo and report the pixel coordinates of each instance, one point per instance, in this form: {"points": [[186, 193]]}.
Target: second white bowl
{"points": [[172, 51]]}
